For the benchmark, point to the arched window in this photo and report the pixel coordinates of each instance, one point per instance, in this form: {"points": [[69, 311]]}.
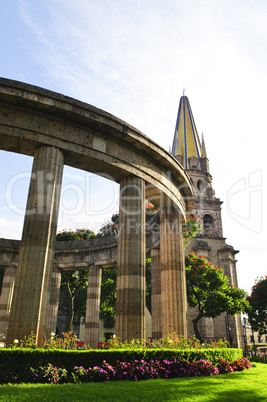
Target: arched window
{"points": [[207, 222], [199, 185]]}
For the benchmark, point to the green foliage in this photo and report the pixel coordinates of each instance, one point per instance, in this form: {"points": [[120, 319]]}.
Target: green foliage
{"points": [[150, 211], [208, 290], [171, 341], [111, 227], [28, 342], [108, 296], [77, 235], [68, 341], [49, 374], [258, 304], [192, 228]]}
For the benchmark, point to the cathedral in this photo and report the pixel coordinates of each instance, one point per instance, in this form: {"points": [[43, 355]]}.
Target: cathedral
{"points": [[190, 151]]}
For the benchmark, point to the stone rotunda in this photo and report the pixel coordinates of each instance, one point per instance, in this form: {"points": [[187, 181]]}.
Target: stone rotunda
{"points": [[58, 130]]}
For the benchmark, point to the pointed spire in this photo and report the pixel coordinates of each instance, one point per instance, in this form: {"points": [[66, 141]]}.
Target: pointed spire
{"points": [[203, 148], [186, 141], [204, 158]]}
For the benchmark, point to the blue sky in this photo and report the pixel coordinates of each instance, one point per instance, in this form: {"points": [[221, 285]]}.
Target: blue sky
{"points": [[134, 59]]}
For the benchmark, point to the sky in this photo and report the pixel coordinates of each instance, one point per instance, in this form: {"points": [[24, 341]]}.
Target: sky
{"points": [[134, 59]]}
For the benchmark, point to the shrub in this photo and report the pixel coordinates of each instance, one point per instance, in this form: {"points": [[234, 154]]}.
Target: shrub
{"points": [[224, 366], [49, 374], [142, 370], [241, 364], [204, 367]]}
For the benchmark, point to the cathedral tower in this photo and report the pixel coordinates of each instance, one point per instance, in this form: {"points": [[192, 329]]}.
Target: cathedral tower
{"points": [[190, 151]]}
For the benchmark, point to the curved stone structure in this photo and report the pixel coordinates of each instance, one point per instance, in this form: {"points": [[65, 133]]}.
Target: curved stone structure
{"points": [[91, 140], [58, 130]]}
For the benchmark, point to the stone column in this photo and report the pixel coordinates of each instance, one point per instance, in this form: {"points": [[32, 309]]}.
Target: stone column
{"points": [[6, 298], [226, 259], [91, 336], [53, 302], [173, 280], [32, 286], [156, 294], [130, 303]]}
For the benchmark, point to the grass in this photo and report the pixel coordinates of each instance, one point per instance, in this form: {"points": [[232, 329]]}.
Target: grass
{"points": [[249, 385]]}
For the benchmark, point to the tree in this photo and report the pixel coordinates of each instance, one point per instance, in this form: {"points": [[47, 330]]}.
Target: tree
{"points": [[208, 290], [74, 284], [108, 296], [258, 302], [74, 289]]}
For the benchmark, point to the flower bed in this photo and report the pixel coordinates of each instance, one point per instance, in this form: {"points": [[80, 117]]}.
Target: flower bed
{"points": [[11, 360], [136, 371]]}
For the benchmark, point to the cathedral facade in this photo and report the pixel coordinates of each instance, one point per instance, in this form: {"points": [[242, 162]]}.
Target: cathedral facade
{"points": [[190, 151]]}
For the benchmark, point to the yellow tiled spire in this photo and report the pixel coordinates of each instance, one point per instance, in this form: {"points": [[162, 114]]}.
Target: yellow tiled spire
{"points": [[186, 140]]}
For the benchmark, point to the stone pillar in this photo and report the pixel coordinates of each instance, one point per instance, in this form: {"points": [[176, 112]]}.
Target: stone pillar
{"points": [[130, 303], [226, 259], [53, 302], [91, 336], [156, 294], [6, 298], [32, 286], [173, 280]]}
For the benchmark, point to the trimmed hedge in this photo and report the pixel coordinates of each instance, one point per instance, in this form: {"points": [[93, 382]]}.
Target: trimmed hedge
{"points": [[15, 364]]}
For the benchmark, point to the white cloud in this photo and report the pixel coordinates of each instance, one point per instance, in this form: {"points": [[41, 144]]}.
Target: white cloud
{"points": [[10, 229]]}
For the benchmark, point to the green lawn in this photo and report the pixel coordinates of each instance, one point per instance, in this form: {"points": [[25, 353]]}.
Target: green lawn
{"points": [[249, 385]]}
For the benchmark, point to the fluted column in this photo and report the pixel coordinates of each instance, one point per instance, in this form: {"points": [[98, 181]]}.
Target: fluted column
{"points": [[173, 280], [32, 286], [130, 303], [91, 336], [6, 298], [156, 294], [53, 302]]}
